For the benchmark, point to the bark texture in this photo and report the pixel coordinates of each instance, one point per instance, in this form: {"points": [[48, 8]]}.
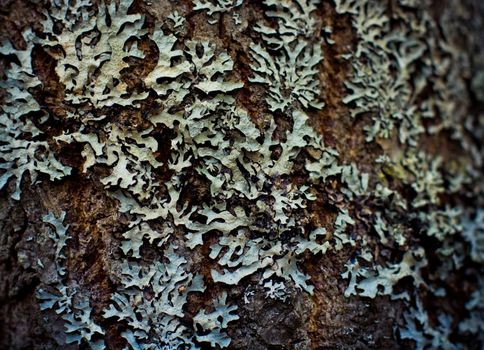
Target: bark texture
{"points": [[430, 160]]}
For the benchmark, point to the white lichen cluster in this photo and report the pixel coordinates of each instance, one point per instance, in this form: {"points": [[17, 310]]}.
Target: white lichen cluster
{"points": [[213, 137], [259, 180], [216, 7], [63, 296], [288, 58], [380, 280], [215, 321], [397, 61], [472, 324], [384, 66], [426, 335], [92, 49], [155, 321], [23, 148], [473, 232]]}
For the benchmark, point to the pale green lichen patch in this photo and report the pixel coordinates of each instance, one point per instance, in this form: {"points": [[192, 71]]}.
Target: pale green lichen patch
{"points": [[23, 149], [287, 62], [155, 322], [368, 283], [393, 67], [426, 336], [217, 139], [216, 7], [94, 51], [195, 176], [396, 61], [64, 297], [214, 322]]}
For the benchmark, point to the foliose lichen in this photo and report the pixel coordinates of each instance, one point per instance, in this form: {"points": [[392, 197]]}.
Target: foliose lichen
{"points": [[261, 180]]}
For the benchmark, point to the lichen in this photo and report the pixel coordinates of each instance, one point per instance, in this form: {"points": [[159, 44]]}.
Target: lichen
{"points": [[216, 6], [91, 69], [155, 322], [394, 65], [60, 237], [419, 329], [382, 280], [197, 173], [474, 306], [287, 62], [23, 146], [214, 322], [64, 297], [276, 290], [473, 233]]}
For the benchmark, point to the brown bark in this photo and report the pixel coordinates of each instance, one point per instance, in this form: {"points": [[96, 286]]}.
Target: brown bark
{"points": [[325, 320]]}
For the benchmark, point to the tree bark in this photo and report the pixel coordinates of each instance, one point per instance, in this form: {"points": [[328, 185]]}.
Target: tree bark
{"points": [[300, 174]]}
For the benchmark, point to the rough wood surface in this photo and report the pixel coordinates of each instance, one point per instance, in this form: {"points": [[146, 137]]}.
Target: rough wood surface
{"points": [[327, 319]]}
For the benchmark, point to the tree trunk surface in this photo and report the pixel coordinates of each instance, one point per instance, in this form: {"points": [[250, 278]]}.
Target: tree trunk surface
{"points": [[241, 174]]}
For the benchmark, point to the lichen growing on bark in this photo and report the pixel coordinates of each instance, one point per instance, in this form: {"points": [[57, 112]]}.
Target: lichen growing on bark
{"points": [[216, 179]]}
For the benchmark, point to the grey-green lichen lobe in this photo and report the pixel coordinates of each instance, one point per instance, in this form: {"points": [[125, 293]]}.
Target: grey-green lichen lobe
{"points": [[61, 294], [197, 175]]}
